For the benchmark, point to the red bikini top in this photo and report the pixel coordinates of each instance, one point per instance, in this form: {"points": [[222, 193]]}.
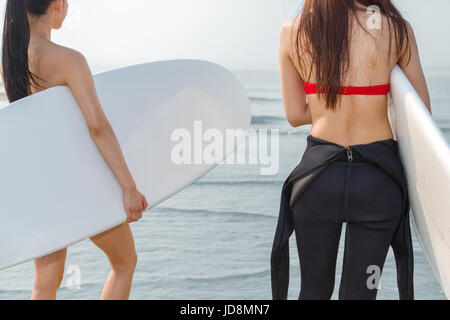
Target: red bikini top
{"points": [[311, 88]]}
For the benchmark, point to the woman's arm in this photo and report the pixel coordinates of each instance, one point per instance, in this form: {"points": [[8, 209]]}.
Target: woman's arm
{"points": [[294, 97], [80, 80], [414, 71]]}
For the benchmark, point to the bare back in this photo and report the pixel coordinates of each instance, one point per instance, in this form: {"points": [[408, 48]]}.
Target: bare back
{"points": [[46, 61], [359, 116], [357, 119]]}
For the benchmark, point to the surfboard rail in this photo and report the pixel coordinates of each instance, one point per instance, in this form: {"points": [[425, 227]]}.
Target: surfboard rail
{"points": [[425, 154]]}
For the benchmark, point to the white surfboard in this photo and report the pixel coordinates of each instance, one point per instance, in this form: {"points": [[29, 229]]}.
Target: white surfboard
{"points": [[425, 155], [56, 189]]}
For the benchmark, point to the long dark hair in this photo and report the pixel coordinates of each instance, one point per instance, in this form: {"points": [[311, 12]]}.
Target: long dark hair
{"points": [[16, 38], [324, 33]]}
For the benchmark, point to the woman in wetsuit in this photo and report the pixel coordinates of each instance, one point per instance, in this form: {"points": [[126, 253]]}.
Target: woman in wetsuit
{"points": [[32, 63], [336, 60]]}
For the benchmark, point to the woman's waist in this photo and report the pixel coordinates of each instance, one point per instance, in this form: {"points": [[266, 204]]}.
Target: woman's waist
{"points": [[350, 136], [353, 126]]}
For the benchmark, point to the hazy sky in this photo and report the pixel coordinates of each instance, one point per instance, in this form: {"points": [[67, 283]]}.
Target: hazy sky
{"points": [[240, 34]]}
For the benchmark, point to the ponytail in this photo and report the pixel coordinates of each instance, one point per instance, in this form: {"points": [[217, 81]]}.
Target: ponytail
{"points": [[16, 38]]}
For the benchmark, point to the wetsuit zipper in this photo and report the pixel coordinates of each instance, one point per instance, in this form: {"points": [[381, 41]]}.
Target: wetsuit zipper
{"points": [[349, 154], [347, 185]]}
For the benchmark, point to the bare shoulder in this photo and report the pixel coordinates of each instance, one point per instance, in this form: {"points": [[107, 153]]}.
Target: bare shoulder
{"points": [[67, 57], [65, 61], [289, 28], [288, 34], [409, 28], [288, 25]]}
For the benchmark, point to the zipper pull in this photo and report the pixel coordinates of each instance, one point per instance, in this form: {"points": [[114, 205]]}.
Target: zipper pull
{"points": [[349, 154]]}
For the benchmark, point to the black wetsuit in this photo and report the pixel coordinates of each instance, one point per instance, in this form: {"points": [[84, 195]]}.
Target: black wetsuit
{"points": [[362, 185]]}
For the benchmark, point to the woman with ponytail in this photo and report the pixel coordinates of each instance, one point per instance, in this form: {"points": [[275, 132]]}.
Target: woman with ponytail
{"points": [[336, 60], [31, 63]]}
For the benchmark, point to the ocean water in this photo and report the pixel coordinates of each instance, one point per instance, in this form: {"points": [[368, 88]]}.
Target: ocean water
{"points": [[213, 240]]}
